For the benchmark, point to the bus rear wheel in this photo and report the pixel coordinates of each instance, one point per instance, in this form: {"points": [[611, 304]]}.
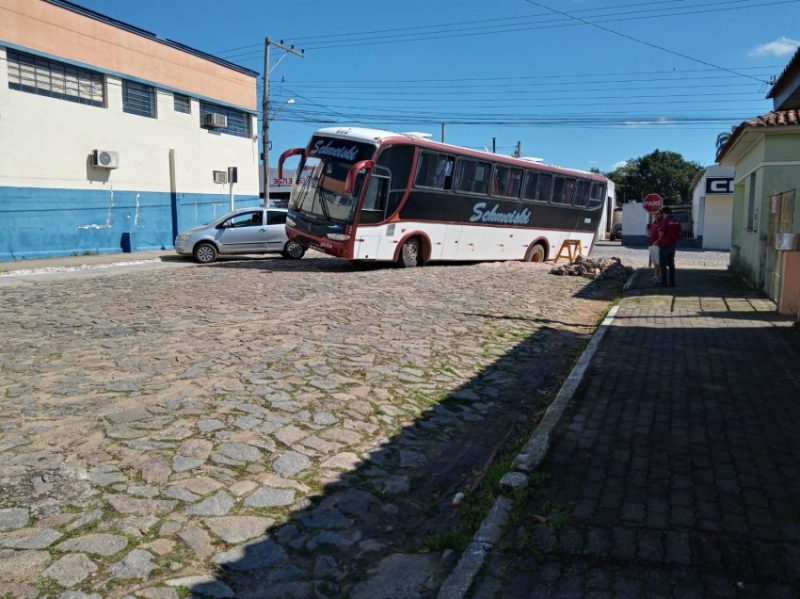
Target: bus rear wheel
{"points": [[409, 254], [536, 254]]}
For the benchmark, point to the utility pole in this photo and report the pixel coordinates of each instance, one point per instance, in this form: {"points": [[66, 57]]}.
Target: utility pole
{"points": [[265, 106], [494, 145], [518, 150], [442, 132]]}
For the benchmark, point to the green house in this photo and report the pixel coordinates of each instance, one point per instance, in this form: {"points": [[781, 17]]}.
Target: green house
{"points": [[765, 236]]}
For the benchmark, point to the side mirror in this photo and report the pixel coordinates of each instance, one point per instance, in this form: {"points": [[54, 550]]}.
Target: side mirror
{"points": [[285, 155], [350, 181]]}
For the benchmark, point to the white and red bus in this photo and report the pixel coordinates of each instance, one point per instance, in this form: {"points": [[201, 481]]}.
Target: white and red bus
{"points": [[375, 195]]}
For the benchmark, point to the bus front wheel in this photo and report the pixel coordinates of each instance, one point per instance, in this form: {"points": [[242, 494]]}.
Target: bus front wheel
{"points": [[409, 254], [536, 254]]}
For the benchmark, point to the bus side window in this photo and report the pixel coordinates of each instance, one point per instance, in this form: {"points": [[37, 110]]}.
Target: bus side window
{"points": [[397, 160], [569, 190], [434, 171], [582, 193], [596, 196], [473, 176], [531, 183], [544, 187], [514, 183], [506, 181], [446, 164], [558, 190], [373, 209]]}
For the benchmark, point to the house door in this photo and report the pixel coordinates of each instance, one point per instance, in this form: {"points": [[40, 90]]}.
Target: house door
{"points": [[781, 219]]}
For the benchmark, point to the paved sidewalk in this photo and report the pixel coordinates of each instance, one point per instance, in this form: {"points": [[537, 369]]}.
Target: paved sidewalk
{"points": [[676, 471], [83, 261]]}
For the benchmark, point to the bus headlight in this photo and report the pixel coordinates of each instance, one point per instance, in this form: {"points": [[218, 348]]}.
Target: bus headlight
{"points": [[338, 236], [289, 221]]}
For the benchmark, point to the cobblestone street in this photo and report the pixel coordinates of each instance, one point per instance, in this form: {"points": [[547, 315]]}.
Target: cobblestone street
{"points": [[263, 428]]}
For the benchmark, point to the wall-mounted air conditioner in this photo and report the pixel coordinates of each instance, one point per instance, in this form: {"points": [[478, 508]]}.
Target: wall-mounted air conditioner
{"points": [[220, 177], [212, 120], [105, 159]]}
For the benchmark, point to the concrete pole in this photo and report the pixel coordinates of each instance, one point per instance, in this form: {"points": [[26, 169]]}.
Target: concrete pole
{"points": [[265, 107], [265, 122]]}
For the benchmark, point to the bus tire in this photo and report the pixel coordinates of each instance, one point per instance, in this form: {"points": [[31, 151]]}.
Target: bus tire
{"points": [[293, 250], [410, 253], [536, 254]]}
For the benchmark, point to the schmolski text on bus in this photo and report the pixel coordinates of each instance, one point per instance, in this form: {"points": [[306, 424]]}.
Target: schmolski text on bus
{"points": [[515, 217], [329, 149]]}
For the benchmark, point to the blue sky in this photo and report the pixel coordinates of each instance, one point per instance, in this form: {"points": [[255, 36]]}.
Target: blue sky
{"points": [[571, 80]]}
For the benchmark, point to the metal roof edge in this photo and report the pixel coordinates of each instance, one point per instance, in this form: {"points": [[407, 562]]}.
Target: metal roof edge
{"points": [[92, 14]]}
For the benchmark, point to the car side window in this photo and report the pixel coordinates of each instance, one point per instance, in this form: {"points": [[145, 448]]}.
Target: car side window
{"points": [[276, 218], [246, 219]]}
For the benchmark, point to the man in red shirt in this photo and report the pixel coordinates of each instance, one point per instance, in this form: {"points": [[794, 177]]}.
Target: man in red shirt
{"points": [[655, 256], [669, 229]]}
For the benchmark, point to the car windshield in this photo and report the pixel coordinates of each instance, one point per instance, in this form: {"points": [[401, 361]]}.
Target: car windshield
{"points": [[320, 192]]}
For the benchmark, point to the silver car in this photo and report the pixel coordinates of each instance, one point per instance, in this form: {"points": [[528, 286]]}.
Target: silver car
{"points": [[243, 231]]}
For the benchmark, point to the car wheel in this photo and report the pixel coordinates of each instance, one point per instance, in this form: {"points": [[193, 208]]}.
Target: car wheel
{"points": [[409, 254], [293, 250], [205, 253], [536, 254]]}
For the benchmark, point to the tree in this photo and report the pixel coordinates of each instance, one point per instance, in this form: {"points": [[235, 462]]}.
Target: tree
{"points": [[664, 173]]}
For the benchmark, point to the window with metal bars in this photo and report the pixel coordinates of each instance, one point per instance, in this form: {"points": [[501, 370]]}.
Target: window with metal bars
{"points": [[138, 98], [238, 121], [182, 104], [45, 77]]}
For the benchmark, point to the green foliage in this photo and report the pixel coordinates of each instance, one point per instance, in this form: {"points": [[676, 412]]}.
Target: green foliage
{"points": [[665, 173]]}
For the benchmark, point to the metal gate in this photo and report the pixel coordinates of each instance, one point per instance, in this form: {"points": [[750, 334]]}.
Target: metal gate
{"points": [[781, 219], [683, 213]]}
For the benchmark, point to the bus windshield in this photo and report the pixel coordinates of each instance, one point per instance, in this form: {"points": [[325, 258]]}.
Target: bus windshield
{"points": [[320, 192]]}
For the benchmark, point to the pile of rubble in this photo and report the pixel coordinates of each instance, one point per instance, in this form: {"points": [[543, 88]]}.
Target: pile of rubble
{"points": [[595, 268]]}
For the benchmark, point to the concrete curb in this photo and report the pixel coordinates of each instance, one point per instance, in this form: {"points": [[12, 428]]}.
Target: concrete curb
{"points": [[460, 580], [51, 269], [81, 263]]}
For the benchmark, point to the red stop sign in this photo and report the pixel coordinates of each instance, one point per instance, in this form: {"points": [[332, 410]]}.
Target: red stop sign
{"points": [[653, 202]]}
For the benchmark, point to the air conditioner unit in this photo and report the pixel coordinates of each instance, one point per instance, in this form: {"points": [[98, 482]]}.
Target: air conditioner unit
{"points": [[220, 177], [105, 159], [212, 120]]}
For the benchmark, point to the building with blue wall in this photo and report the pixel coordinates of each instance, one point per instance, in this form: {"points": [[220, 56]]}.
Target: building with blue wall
{"points": [[112, 138]]}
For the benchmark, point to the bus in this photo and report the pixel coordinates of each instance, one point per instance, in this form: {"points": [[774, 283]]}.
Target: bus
{"points": [[372, 195]]}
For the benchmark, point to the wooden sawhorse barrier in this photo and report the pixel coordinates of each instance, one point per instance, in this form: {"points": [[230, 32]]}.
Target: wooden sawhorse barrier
{"points": [[570, 249]]}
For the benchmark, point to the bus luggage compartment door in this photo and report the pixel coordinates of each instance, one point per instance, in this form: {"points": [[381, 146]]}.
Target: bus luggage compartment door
{"points": [[450, 246], [366, 245]]}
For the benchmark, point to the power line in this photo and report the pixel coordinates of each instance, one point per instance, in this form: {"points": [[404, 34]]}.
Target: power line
{"points": [[537, 76], [552, 24], [644, 42], [421, 28]]}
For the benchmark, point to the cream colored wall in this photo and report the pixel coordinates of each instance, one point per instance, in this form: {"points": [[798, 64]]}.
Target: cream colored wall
{"points": [[717, 222], [47, 142], [60, 32]]}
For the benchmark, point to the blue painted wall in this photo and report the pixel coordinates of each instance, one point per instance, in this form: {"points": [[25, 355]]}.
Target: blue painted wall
{"points": [[39, 223]]}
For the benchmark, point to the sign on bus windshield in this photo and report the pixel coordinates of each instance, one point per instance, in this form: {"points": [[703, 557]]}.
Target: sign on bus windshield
{"points": [[340, 150]]}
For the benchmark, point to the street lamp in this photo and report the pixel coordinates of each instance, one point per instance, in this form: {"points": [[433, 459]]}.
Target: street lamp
{"points": [[267, 121]]}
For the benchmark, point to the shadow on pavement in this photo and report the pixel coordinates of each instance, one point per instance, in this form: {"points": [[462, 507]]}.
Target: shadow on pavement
{"points": [[676, 470], [387, 526]]}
